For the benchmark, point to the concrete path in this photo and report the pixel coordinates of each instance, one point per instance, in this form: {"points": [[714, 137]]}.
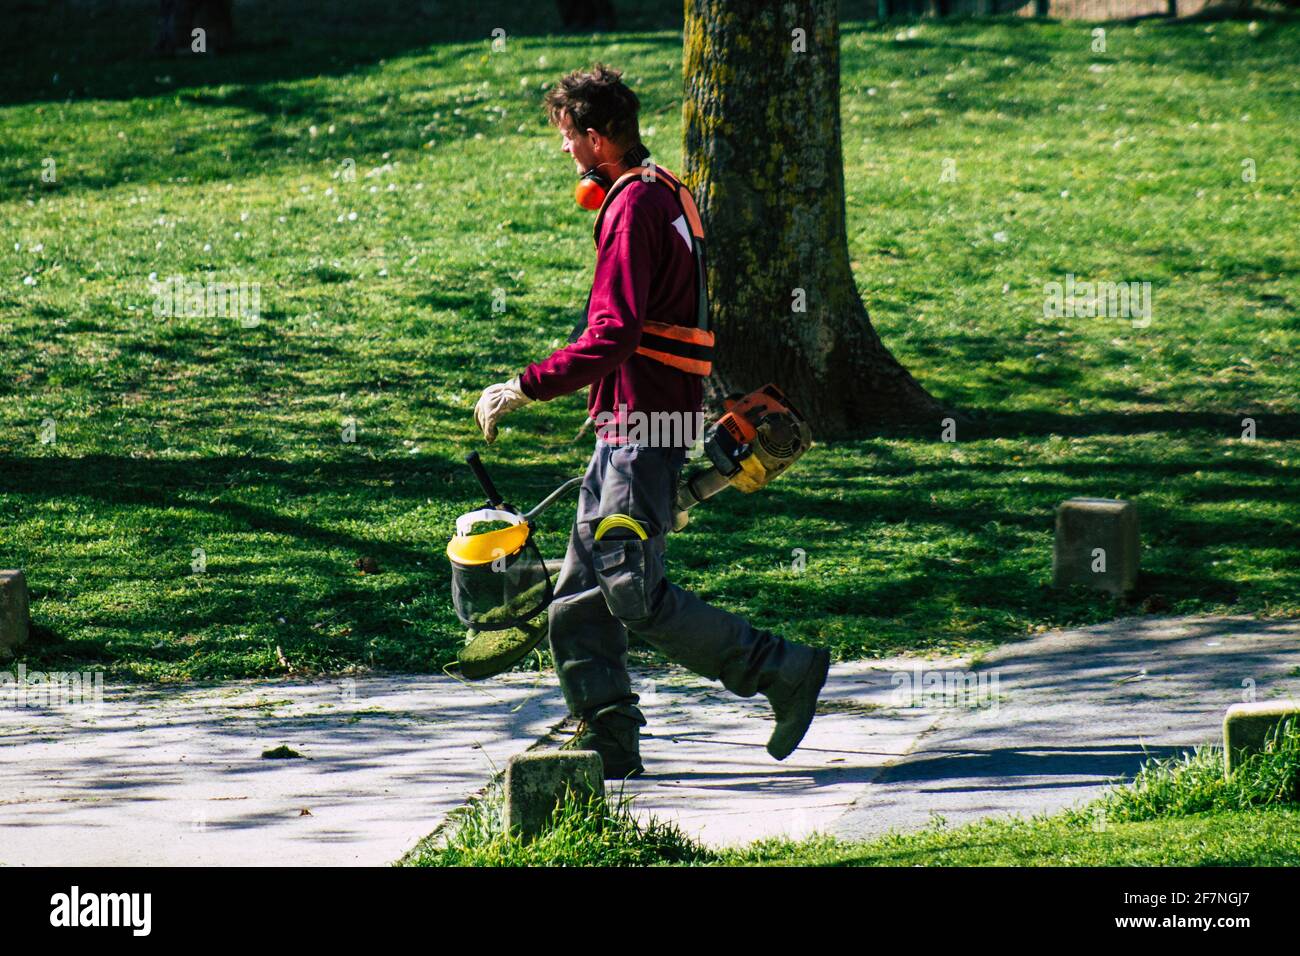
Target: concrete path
{"points": [[1080, 708], [707, 768], [174, 775]]}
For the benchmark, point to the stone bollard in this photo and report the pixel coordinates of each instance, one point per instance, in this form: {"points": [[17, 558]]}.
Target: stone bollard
{"points": [[1096, 544], [1247, 726], [535, 783], [13, 609]]}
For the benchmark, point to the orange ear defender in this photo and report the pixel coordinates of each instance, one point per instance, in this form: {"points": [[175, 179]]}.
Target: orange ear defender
{"points": [[595, 185], [591, 189]]}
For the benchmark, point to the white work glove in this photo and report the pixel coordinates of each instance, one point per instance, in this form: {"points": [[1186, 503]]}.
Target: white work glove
{"points": [[495, 402]]}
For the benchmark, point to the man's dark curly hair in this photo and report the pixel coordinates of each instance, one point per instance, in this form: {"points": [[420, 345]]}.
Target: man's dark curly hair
{"points": [[596, 99]]}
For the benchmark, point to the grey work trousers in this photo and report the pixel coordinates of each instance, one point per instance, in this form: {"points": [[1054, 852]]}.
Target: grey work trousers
{"points": [[609, 587]]}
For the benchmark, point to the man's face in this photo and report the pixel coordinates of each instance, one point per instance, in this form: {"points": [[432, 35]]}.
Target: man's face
{"points": [[577, 144]]}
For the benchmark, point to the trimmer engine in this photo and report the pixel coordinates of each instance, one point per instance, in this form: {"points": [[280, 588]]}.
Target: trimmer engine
{"points": [[759, 437]]}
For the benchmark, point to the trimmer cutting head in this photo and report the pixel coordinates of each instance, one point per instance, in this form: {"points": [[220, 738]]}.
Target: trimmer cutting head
{"points": [[500, 584]]}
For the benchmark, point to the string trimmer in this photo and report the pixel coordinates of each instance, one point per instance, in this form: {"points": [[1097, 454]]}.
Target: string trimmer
{"points": [[500, 583]]}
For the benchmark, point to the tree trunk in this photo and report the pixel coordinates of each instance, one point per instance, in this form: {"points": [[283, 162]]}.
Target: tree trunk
{"points": [[763, 160]]}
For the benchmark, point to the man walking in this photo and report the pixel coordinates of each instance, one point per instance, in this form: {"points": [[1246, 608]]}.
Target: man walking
{"points": [[644, 351]]}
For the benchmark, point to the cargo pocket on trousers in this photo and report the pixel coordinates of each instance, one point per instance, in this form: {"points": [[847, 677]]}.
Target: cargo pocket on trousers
{"points": [[620, 573]]}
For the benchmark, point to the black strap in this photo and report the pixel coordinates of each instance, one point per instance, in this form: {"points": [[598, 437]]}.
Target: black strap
{"points": [[637, 155]]}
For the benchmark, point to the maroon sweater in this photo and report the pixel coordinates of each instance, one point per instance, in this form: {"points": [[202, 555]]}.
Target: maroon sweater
{"points": [[645, 270]]}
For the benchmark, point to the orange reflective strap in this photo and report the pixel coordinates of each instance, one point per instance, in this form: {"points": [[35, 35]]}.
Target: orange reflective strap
{"points": [[692, 214], [678, 346], [614, 190], [680, 333], [681, 347]]}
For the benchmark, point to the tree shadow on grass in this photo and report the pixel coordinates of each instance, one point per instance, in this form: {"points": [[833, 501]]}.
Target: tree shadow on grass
{"points": [[103, 51], [191, 490], [992, 519], [980, 536], [995, 423], [239, 113], [985, 423]]}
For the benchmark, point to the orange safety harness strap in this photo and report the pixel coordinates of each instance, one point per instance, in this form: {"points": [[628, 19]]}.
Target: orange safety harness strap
{"points": [[683, 347]]}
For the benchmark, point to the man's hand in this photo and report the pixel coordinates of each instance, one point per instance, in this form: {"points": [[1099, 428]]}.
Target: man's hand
{"points": [[495, 402]]}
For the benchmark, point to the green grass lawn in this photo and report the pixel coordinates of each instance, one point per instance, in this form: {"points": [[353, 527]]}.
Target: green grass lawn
{"points": [[175, 434], [1234, 838]]}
